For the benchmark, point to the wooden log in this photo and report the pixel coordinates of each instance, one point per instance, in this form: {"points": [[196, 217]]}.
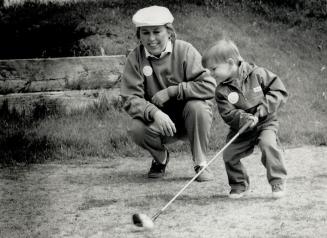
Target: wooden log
{"points": [[60, 74], [63, 102]]}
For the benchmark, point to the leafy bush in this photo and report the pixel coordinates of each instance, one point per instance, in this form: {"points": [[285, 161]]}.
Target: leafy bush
{"points": [[81, 28]]}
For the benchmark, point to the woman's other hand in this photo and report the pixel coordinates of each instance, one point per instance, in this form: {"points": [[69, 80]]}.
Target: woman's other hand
{"points": [[164, 95], [163, 124], [160, 98]]}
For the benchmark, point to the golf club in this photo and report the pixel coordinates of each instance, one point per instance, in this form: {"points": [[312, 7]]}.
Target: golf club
{"points": [[142, 220]]}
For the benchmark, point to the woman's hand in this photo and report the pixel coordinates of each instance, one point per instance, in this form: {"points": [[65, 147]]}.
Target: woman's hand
{"points": [[163, 124], [160, 97], [164, 95]]}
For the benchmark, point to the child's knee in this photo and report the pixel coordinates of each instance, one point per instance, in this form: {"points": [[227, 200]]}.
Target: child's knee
{"points": [[267, 139], [228, 155]]}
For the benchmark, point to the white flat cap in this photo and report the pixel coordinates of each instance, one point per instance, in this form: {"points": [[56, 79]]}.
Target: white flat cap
{"points": [[152, 16]]}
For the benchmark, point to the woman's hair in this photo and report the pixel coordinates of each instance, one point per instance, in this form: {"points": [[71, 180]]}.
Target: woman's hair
{"points": [[170, 29], [221, 51]]}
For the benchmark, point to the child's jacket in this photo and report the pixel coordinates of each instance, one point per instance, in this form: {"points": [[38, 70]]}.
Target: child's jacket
{"points": [[236, 97]]}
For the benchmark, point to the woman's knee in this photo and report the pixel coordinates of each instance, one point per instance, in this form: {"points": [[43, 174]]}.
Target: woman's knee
{"points": [[137, 131], [198, 108]]}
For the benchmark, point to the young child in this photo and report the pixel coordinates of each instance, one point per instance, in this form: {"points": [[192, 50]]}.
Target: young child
{"points": [[244, 89]]}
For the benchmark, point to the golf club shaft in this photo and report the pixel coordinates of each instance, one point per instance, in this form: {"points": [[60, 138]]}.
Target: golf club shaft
{"points": [[155, 216]]}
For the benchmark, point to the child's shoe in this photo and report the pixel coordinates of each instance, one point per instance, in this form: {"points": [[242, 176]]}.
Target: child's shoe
{"points": [[278, 190], [236, 193]]}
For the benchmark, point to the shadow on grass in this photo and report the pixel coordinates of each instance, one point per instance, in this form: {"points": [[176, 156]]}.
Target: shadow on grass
{"points": [[201, 200], [177, 179], [142, 177], [19, 145], [94, 203], [321, 176], [297, 179]]}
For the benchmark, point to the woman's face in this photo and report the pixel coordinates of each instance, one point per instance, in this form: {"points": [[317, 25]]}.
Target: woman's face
{"points": [[154, 38]]}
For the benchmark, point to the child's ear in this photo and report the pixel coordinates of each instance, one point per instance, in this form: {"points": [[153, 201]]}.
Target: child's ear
{"points": [[230, 61]]}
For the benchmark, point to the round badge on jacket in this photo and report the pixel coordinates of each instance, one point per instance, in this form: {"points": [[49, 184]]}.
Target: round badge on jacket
{"points": [[147, 70], [233, 97]]}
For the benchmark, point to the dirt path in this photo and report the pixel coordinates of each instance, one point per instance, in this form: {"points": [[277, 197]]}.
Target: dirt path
{"points": [[96, 198]]}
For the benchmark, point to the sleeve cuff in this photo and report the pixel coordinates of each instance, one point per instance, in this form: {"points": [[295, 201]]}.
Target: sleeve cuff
{"points": [[172, 91], [151, 113]]}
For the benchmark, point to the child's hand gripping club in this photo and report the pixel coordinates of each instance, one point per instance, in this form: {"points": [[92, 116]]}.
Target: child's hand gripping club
{"points": [[254, 119]]}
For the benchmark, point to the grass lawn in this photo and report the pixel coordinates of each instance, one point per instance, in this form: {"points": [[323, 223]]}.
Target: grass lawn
{"points": [[292, 46]]}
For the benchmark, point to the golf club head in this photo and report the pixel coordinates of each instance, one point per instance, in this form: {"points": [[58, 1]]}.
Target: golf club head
{"points": [[142, 220]]}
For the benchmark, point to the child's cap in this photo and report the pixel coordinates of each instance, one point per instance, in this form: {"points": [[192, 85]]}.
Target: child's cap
{"points": [[152, 16]]}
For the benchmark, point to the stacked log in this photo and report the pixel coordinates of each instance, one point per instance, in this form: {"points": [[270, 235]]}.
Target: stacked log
{"points": [[72, 83]]}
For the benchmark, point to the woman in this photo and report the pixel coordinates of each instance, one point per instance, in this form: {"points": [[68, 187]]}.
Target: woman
{"points": [[166, 91]]}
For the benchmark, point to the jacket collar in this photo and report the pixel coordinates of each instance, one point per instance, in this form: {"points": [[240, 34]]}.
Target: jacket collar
{"points": [[244, 70], [168, 49]]}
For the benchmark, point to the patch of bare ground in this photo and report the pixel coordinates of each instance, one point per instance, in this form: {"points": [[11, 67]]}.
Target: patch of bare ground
{"points": [[97, 197]]}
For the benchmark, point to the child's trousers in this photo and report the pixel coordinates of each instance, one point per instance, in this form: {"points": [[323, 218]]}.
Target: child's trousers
{"points": [[272, 158], [192, 120]]}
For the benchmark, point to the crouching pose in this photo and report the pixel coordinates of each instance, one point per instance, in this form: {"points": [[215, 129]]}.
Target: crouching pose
{"points": [[243, 90], [166, 90]]}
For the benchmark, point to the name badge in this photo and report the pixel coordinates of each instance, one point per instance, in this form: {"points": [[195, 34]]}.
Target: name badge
{"points": [[257, 89], [147, 70], [233, 97]]}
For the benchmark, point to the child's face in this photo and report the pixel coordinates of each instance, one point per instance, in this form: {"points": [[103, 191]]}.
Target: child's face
{"points": [[223, 70]]}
